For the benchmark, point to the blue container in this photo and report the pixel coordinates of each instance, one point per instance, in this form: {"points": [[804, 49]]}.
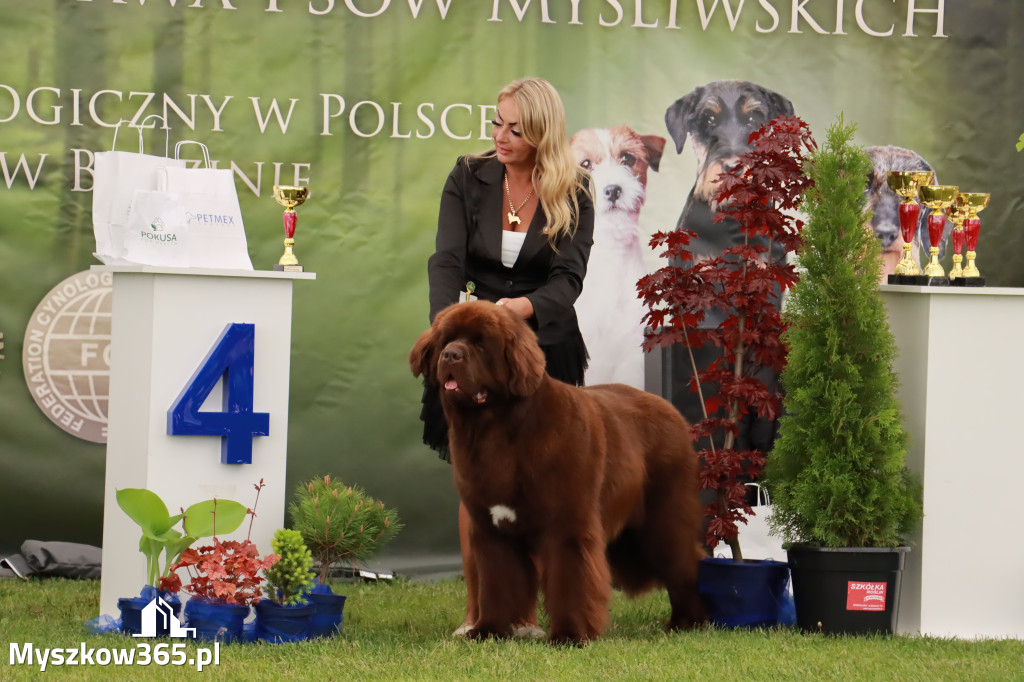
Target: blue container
{"points": [[327, 615], [279, 623], [744, 593], [216, 620]]}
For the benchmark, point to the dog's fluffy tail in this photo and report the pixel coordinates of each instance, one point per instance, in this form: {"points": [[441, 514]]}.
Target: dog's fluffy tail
{"points": [[631, 571]]}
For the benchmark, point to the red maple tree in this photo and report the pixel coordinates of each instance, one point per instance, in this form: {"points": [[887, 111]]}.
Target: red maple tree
{"points": [[744, 284]]}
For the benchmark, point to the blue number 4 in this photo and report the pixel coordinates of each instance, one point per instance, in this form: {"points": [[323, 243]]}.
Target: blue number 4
{"points": [[233, 358]]}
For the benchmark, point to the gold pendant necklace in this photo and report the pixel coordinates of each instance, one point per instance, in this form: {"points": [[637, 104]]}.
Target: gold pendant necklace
{"points": [[513, 219]]}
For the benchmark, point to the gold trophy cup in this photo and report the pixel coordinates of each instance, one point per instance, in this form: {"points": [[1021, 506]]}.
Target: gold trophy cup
{"points": [[957, 214], [974, 202], [938, 198], [289, 196], [905, 184]]}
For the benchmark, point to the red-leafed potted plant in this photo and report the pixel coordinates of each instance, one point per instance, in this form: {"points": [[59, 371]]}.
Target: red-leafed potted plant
{"points": [[741, 290], [224, 581]]}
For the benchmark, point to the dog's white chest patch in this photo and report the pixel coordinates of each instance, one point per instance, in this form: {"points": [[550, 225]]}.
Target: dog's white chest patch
{"points": [[500, 512]]}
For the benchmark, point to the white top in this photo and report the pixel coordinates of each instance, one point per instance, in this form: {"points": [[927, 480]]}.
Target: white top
{"points": [[511, 245]]}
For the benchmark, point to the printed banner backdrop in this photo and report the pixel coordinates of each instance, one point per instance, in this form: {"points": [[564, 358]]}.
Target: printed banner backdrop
{"points": [[370, 102]]}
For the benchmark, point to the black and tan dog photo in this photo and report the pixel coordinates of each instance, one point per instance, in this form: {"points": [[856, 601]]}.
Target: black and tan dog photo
{"points": [[718, 118], [883, 204]]}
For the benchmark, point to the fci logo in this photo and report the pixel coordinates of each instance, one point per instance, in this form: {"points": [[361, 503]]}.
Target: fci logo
{"points": [[66, 354]]}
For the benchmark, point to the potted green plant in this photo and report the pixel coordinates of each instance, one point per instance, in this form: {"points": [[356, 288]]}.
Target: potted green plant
{"points": [[224, 581], [161, 538], [741, 288], [339, 524], [285, 615], [840, 489]]}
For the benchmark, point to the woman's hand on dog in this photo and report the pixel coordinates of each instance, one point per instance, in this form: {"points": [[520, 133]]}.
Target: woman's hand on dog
{"points": [[520, 306]]}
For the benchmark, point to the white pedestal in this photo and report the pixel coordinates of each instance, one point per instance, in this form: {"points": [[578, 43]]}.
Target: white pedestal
{"points": [[164, 323], [961, 381]]}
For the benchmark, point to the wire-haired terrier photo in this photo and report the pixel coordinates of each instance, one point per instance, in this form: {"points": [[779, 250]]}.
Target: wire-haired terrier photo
{"points": [[609, 311]]}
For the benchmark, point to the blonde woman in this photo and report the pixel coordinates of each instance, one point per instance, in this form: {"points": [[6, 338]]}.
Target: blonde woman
{"points": [[517, 221]]}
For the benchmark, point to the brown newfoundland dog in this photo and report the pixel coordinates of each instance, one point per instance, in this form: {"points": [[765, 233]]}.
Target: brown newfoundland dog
{"points": [[598, 484]]}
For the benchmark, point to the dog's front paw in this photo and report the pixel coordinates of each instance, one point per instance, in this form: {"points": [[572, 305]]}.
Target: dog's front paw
{"points": [[463, 630], [482, 631], [528, 631]]}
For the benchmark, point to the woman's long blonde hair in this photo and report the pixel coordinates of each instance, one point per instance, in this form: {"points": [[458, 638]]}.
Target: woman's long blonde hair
{"points": [[556, 177]]}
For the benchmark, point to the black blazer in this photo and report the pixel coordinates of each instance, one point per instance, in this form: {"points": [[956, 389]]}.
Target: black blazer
{"points": [[469, 250]]}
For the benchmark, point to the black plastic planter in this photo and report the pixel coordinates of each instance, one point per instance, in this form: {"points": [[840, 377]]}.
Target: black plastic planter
{"points": [[847, 590]]}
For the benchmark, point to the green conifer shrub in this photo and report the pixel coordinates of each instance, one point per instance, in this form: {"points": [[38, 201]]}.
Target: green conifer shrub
{"points": [[837, 473], [291, 577], [340, 523]]}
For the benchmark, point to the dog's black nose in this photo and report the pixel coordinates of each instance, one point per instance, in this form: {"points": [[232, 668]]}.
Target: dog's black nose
{"points": [[612, 192], [451, 355], [887, 237]]}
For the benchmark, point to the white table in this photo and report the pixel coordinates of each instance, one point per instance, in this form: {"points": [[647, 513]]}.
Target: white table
{"points": [[165, 321], [962, 392]]}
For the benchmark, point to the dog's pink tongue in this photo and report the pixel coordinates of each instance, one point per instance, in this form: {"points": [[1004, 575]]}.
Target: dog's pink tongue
{"points": [[451, 385]]}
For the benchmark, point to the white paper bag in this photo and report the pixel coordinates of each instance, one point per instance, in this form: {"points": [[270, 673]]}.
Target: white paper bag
{"points": [[157, 231], [207, 196], [116, 178], [756, 539]]}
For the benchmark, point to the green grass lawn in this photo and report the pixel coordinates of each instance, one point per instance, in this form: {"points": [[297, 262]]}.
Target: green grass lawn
{"points": [[401, 631]]}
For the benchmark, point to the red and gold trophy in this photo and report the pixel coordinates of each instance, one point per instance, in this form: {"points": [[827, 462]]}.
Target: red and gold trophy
{"points": [[906, 184], [974, 202], [289, 196], [938, 198], [957, 214]]}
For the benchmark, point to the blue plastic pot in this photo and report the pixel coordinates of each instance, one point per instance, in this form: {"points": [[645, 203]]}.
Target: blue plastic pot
{"points": [[216, 620], [279, 623], [327, 615], [744, 593]]}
